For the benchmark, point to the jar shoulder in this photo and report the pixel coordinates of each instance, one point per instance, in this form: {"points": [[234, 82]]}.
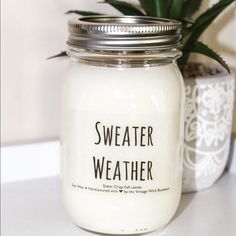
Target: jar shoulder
{"points": [[160, 86]]}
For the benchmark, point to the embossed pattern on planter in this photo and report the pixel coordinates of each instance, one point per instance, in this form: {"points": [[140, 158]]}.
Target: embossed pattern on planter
{"points": [[208, 120]]}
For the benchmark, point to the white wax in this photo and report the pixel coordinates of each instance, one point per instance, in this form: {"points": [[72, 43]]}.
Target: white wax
{"points": [[116, 178]]}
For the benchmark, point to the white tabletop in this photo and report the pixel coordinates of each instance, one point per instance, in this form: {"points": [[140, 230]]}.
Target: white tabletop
{"points": [[33, 208]]}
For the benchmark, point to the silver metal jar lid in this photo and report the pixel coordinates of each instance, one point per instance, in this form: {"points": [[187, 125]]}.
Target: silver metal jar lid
{"points": [[132, 33]]}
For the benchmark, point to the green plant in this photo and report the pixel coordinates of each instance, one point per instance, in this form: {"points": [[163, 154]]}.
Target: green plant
{"points": [[181, 10]]}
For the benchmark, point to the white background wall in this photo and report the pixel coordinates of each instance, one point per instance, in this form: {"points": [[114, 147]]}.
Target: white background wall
{"points": [[32, 30]]}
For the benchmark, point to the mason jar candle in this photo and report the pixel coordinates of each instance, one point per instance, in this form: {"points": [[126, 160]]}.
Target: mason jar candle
{"points": [[122, 124]]}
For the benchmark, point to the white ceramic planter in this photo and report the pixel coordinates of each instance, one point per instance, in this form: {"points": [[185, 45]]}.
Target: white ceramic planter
{"points": [[208, 120]]}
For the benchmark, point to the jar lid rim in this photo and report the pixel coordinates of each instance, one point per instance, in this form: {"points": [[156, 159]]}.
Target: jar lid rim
{"points": [[123, 32]]}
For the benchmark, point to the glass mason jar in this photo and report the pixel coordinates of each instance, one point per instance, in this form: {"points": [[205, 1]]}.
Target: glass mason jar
{"points": [[122, 123]]}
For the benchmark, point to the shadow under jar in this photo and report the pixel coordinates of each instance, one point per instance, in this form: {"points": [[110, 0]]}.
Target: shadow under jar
{"points": [[122, 123]]}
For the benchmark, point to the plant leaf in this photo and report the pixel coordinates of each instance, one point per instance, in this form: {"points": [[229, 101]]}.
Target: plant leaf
{"points": [[83, 13], [155, 8], [176, 8], [190, 7], [199, 47], [204, 20], [61, 54], [124, 7]]}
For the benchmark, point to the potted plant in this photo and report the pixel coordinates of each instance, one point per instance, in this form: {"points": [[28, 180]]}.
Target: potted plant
{"points": [[209, 88]]}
